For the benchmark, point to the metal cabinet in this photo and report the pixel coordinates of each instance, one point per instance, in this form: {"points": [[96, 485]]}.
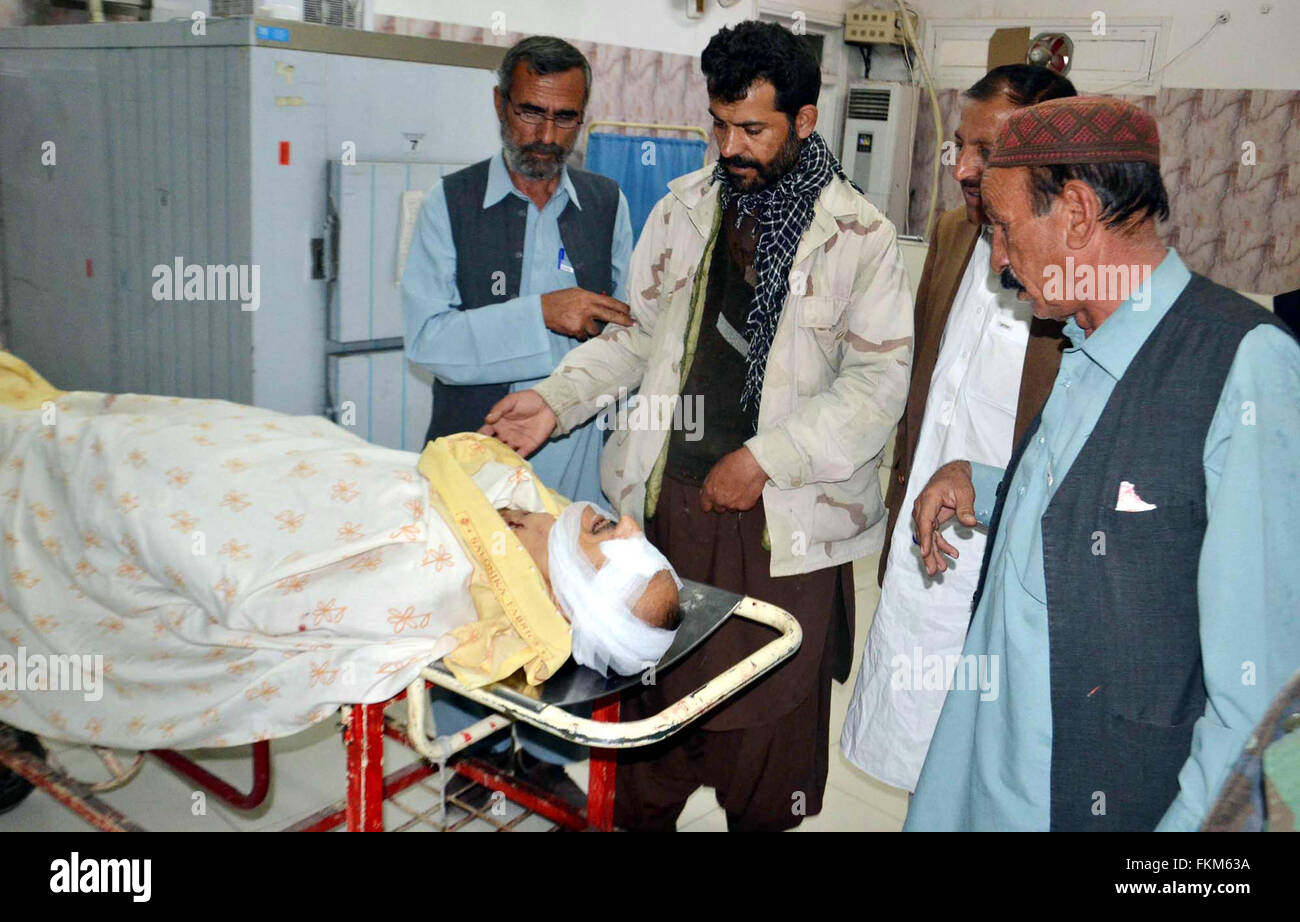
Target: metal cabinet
{"points": [[226, 149]]}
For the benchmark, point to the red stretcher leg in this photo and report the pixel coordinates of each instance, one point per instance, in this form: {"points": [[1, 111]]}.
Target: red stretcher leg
{"points": [[603, 765], [363, 739], [219, 789]]}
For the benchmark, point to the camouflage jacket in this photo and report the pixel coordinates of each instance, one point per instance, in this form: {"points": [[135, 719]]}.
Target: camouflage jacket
{"points": [[835, 385], [1262, 792]]}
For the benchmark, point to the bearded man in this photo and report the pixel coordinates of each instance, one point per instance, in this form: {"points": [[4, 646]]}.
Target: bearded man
{"points": [[768, 293], [518, 258], [515, 260]]}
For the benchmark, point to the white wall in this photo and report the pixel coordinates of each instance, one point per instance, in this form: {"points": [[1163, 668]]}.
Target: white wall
{"points": [[1254, 50], [660, 25]]}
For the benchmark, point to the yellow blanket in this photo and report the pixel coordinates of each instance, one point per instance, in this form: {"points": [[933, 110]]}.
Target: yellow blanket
{"points": [[21, 388], [518, 625]]}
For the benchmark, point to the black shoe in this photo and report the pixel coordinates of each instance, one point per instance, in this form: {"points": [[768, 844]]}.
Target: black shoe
{"points": [[550, 778], [14, 788]]}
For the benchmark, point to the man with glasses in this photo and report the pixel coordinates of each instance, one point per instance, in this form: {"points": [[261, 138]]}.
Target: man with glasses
{"points": [[518, 258], [514, 261]]}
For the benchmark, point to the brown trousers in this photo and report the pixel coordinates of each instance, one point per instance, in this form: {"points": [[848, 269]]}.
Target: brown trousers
{"points": [[764, 751]]}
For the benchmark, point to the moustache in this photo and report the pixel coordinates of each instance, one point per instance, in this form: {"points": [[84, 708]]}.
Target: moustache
{"points": [[541, 147], [740, 162], [1010, 281]]}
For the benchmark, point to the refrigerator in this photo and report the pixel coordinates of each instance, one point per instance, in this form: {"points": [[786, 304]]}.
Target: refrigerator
{"points": [[152, 175]]}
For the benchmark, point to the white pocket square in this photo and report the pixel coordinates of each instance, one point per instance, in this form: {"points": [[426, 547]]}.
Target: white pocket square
{"points": [[1129, 501]]}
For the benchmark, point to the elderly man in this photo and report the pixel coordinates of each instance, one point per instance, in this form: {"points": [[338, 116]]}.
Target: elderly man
{"points": [[1139, 598], [981, 371], [769, 292], [518, 258], [515, 260]]}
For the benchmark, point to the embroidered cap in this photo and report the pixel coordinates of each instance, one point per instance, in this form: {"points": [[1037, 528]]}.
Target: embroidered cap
{"points": [[1076, 129]]}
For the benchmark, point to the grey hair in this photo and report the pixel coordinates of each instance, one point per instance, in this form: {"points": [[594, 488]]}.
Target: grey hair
{"points": [[544, 54]]}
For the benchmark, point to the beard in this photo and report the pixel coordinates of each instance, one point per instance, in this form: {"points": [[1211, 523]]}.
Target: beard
{"points": [[1009, 280], [766, 174], [537, 160]]}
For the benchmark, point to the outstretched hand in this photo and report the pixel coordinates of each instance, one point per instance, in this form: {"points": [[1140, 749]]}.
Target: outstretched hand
{"points": [[522, 420], [950, 492]]}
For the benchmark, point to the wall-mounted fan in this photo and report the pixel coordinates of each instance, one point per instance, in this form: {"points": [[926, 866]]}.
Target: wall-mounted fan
{"points": [[1053, 50]]}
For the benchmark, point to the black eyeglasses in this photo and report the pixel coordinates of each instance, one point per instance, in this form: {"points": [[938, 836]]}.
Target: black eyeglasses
{"points": [[531, 115]]}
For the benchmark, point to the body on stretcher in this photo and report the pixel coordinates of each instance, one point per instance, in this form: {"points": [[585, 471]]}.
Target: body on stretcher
{"points": [[405, 564], [704, 608]]}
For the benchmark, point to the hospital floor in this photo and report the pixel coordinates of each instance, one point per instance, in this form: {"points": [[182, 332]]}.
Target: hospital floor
{"points": [[308, 774]]}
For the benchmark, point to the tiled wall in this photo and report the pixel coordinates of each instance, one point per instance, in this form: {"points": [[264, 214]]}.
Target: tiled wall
{"points": [[1237, 224], [627, 84]]}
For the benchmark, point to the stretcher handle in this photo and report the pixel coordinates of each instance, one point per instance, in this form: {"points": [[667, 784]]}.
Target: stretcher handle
{"points": [[588, 732], [438, 750]]}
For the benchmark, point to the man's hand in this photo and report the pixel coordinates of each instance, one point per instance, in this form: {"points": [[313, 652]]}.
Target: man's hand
{"points": [[735, 483], [575, 312], [950, 492], [523, 420]]}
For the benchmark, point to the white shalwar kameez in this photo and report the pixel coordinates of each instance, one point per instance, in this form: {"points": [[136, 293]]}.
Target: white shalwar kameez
{"points": [[920, 623]]}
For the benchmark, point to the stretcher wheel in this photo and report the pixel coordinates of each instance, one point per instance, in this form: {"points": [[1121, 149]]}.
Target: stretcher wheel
{"points": [[14, 788]]}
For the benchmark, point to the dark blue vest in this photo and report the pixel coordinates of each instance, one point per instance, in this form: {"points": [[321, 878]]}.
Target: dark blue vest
{"points": [[1122, 614], [489, 241]]}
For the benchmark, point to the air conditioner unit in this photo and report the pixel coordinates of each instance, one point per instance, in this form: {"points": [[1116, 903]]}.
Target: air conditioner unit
{"points": [[879, 128]]}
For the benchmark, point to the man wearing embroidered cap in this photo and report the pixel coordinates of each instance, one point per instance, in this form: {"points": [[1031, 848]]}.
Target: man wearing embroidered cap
{"points": [[1129, 602]]}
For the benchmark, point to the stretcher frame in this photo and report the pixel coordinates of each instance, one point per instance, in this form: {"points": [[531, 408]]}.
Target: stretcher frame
{"points": [[366, 725]]}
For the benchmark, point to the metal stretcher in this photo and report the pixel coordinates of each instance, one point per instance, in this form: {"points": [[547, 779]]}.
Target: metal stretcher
{"points": [[23, 765]]}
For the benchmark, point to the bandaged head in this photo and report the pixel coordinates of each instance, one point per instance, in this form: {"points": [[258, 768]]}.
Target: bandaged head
{"points": [[599, 602]]}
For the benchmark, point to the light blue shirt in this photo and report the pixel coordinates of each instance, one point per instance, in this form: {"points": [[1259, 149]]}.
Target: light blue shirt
{"points": [[507, 342], [989, 763]]}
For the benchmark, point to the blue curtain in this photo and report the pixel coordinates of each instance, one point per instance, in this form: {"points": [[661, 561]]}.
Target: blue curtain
{"points": [[642, 171]]}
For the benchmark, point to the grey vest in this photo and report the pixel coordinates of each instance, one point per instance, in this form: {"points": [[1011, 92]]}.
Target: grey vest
{"points": [[491, 240], [1122, 614]]}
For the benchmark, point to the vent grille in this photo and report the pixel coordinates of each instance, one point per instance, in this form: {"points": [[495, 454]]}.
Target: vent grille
{"points": [[871, 104], [333, 13], [345, 13], [225, 8]]}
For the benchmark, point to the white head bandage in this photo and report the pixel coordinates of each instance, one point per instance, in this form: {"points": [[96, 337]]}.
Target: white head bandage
{"points": [[598, 603]]}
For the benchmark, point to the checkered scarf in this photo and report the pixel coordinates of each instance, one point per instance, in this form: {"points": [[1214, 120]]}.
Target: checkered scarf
{"points": [[783, 211]]}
